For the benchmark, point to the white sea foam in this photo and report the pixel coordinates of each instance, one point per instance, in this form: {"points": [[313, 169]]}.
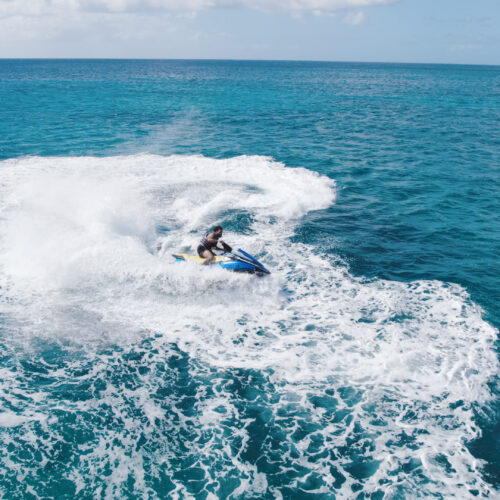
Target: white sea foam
{"points": [[85, 257]]}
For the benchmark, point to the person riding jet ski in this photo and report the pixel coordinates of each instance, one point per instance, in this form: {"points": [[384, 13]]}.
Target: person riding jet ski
{"points": [[237, 261], [211, 241]]}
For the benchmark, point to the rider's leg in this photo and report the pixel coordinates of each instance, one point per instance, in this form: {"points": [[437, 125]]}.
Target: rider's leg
{"points": [[208, 256]]}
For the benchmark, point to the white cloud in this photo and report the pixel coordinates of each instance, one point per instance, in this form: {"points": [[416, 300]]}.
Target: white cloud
{"points": [[156, 28], [354, 18], [53, 7], [94, 34]]}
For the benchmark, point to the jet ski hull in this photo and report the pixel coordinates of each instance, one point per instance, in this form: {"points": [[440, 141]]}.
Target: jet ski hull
{"points": [[244, 263]]}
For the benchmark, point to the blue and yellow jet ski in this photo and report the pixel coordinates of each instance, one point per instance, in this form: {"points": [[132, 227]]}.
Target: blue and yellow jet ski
{"points": [[238, 261]]}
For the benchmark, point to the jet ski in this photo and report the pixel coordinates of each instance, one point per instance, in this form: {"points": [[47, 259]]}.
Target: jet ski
{"points": [[238, 261]]}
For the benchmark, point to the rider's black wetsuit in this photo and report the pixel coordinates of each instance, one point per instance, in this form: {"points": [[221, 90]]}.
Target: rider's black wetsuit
{"points": [[206, 245]]}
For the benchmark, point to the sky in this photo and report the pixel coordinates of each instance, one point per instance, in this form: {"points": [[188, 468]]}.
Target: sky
{"points": [[427, 31]]}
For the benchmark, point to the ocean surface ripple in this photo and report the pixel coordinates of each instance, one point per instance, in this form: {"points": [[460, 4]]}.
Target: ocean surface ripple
{"points": [[365, 366]]}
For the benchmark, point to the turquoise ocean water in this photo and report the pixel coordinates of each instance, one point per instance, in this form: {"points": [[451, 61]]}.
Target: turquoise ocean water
{"points": [[365, 366]]}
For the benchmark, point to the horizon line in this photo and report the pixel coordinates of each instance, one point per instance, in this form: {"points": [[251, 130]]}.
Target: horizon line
{"points": [[238, 60]]}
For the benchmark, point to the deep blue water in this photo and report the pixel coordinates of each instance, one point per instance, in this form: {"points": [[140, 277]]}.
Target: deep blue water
{"points": [[411, 244]]}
